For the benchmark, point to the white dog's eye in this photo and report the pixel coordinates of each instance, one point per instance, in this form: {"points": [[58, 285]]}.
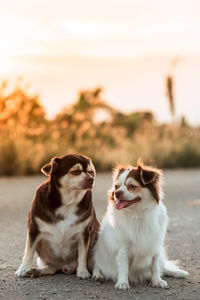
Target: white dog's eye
{"points": [[116, 187], [76, 172], [131, 186]]}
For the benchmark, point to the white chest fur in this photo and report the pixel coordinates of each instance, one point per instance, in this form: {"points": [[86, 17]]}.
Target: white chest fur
{"points": [[143, 233], [62, 234]]}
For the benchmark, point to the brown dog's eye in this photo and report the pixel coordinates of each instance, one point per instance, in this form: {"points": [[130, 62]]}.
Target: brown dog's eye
{"points": [[131, 186], [91, 173], [76, 172]]}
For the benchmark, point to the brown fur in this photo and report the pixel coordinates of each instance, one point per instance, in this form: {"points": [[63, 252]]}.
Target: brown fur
{"points": [[45, 203], [45, 252]]}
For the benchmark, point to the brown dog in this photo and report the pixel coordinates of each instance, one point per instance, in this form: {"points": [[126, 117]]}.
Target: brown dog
{"points": [[62, 224]]}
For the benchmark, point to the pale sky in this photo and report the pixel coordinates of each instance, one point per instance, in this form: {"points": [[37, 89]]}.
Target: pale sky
{"points": [[126, 46]]}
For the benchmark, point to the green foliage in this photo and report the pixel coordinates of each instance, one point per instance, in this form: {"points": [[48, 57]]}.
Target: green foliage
{"points": [[28, 139]]}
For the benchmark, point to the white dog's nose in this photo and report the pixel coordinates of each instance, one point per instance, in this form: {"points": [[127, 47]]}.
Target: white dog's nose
{"points": [[118, 194]]}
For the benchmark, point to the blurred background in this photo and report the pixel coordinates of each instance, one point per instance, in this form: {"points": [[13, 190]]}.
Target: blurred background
{"points": [[111, 79]]}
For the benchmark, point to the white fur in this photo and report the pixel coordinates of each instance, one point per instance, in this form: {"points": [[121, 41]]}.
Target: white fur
{"points": [[130, 244]]}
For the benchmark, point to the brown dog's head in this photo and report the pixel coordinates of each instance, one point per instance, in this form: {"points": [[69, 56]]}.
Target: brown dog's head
{"points": [[73, 171], [140, 186]]}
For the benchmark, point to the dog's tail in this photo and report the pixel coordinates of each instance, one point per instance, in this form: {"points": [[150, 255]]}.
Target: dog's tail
{"points": [[171, 269]]}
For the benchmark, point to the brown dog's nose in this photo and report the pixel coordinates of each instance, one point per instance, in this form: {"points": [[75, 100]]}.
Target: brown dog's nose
{"points": [[90, 180], [118, 194]]}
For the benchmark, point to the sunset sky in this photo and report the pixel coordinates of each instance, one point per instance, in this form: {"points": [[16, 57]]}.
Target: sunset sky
{"points": [[126, 46]]}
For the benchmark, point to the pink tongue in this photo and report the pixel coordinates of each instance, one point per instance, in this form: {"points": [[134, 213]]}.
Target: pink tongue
{"points": [[121, 204]]}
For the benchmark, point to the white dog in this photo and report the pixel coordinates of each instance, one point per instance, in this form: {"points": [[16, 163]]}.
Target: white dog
{"points": [[130, 244]]}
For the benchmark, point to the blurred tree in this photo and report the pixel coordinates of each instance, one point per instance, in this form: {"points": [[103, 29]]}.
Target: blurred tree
{"points": [[77, 124], [169, 84], [22, 128], [170, 95], [131, 122], [28, 140], [89, 101], [184, 122], [20, 113]]}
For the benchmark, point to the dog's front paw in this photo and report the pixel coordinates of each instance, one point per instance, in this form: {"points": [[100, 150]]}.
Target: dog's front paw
{"points": [[83, 274], [21, 272], [33, 273], [122, 285], [159, 283], [97, 276]]}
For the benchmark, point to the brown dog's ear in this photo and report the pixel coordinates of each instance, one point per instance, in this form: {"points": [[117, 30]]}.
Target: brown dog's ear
{"points": [[46, 169], [50, 168], [147, 174]]}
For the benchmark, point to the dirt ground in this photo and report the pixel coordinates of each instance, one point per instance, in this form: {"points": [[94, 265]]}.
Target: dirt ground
{"points": [[182, 198]]}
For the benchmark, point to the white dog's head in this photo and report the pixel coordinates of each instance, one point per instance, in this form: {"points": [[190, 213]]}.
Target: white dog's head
{"points": [[136, 187]]}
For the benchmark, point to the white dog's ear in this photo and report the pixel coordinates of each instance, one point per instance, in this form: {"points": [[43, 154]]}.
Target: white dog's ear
{"points": [[147, 174], [50, 168], [117, 171]]}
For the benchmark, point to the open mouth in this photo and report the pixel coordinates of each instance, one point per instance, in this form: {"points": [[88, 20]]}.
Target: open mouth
{"points": [[125, 203]]}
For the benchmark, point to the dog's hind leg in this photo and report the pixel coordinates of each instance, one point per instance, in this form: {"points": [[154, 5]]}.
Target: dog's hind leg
{"points": [[28, 256], [43, 269], [172, 270], [36, 272]]}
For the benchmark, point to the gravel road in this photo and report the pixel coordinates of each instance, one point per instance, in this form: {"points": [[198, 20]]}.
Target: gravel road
{"points": [[182, 198]]}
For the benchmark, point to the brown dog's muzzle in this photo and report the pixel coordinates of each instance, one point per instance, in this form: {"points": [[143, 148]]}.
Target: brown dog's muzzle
{"points": [[88, 183]]}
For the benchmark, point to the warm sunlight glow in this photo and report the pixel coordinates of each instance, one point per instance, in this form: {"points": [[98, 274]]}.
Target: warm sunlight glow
{"points": [[83, 29], [5, 67], [62, 47]]}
